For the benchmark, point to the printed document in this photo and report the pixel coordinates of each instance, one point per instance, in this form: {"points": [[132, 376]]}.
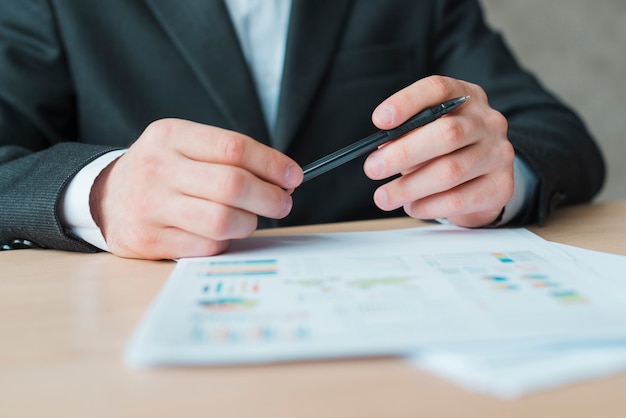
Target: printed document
{"points": [[315, 296]]}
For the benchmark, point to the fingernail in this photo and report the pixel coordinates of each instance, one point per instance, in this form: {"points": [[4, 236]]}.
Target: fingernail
{"points": [[408, 209], [385, 115], [293, 176], [286, 207], [375, 166], [380, 197]]}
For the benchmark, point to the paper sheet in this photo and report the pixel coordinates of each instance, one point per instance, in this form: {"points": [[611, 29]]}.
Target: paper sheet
{"points": [[373, 293], [516, 369]]}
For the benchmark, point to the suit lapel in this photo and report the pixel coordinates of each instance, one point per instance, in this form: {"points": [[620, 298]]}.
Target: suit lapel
{"points": [[314, 31], [203, 33]]}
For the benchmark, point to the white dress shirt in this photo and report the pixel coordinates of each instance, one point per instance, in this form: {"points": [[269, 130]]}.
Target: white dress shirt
{"points": [[261, 27]]}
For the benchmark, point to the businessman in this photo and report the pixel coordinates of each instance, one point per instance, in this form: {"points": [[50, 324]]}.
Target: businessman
{"points": [[160, 129]]}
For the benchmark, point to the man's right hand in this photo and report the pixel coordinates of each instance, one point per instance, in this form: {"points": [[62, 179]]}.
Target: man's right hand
{"points": [[184, 189]]}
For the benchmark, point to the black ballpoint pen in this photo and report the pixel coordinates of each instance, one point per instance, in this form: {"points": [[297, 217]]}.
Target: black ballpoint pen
{"points": [[372, 142]]}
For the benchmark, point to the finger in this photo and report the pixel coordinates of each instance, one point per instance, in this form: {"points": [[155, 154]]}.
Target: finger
{"points": [[424, 93], [195, 227], [471, 204], [436, 176], [438, 138], [174, 243], [164, 243], [210, 144], [233, 187], [205, 218]]}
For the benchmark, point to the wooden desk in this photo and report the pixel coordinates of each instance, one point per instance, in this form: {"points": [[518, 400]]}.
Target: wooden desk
{"points": [[65, 318]]}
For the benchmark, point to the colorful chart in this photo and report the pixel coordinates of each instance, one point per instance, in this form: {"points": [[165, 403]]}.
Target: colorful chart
{"points": [[568, 297], [368, 283], [503, 258], [233, 286], [240, 268], [228, 304], [251, 334]]}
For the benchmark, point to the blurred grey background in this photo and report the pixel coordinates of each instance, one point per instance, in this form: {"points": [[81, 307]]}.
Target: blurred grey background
{"points": [[578, 49]]}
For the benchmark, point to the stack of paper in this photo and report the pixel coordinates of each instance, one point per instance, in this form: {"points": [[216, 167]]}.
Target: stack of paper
{"points": [[513, 370], [486, 308]]}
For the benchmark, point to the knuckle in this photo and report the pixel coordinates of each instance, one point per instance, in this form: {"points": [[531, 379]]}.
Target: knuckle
{"points": [[231, 184], [455, 203], [498, 121], [451, 132], [160, 130], [232, 149], [441, 85], [477, 92], [191, 214], [225, 225], [508, 152], [450, 171], [146, 156], [220, 226]]}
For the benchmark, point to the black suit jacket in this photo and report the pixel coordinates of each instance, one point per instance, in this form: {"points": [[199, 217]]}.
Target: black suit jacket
{"points": [[80, 78]]}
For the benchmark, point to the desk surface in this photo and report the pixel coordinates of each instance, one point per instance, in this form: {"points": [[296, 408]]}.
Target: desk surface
{"points": [[65, 318]]}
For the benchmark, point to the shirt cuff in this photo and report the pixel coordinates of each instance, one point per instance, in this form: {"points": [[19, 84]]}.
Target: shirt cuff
{"points": [[74, 210]]}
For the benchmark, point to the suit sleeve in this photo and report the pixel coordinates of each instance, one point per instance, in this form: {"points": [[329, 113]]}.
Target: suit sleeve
{"points": [[545, 133], [39, 151]]}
